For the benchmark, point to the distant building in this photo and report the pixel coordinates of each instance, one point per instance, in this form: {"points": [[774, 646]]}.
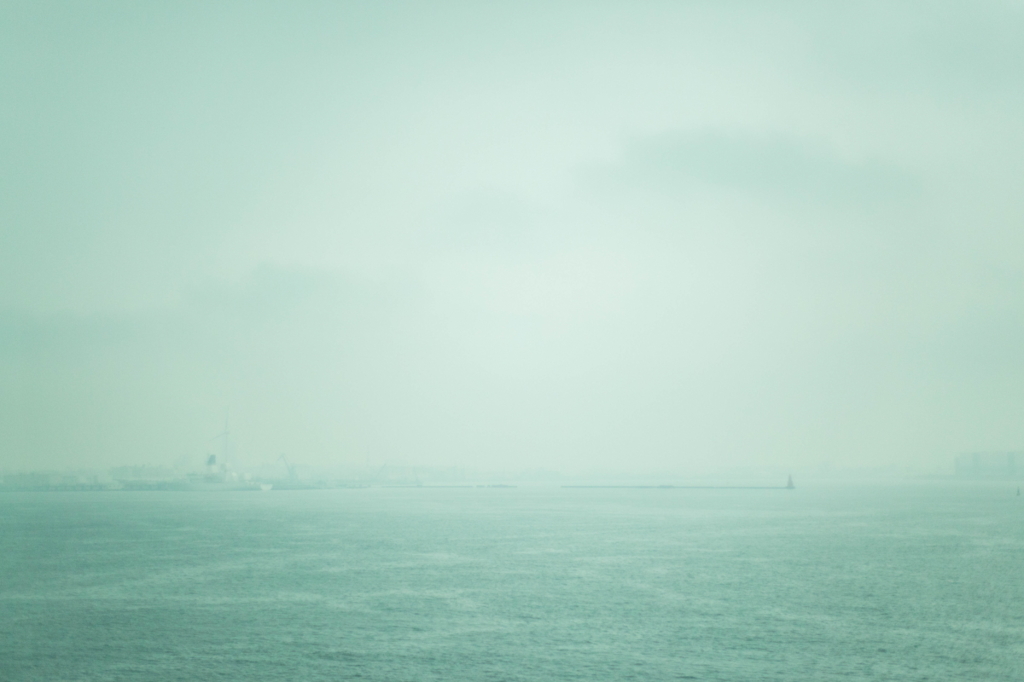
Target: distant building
{"points": [[990, 465], [43, 481], [142, 473]]}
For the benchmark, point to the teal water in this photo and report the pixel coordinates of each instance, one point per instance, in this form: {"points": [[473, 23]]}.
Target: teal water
{"points": [[885, 583]]}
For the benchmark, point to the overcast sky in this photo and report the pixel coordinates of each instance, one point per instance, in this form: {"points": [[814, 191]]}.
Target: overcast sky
{"points": [[620, 235]]}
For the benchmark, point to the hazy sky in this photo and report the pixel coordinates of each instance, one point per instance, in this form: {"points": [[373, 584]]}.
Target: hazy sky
{"points": [[636, 235]]}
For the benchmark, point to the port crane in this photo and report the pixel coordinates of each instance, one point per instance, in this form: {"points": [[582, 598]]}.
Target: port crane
{"points": [[291, 469]]}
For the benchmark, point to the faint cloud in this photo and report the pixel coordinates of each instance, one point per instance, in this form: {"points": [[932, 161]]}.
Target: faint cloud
{"points": [[773, 166], [950, 49], [486, 220], [267, 291]]}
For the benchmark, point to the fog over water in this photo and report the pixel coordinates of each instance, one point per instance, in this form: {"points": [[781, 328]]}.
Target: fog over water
{"points": [[511, 341], [633, 237]]}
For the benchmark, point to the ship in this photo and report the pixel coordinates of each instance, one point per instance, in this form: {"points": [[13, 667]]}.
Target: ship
{"points": [[218, 476]]}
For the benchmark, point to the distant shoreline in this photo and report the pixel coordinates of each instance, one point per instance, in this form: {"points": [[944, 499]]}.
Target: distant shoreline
{"points": [[689, 487]]}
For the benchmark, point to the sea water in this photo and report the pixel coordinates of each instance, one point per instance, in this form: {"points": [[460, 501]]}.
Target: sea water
{"points": [[919, 582]]}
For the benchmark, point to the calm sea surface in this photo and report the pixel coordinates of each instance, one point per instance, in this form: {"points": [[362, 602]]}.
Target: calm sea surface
{"points": [[884, 583]]}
